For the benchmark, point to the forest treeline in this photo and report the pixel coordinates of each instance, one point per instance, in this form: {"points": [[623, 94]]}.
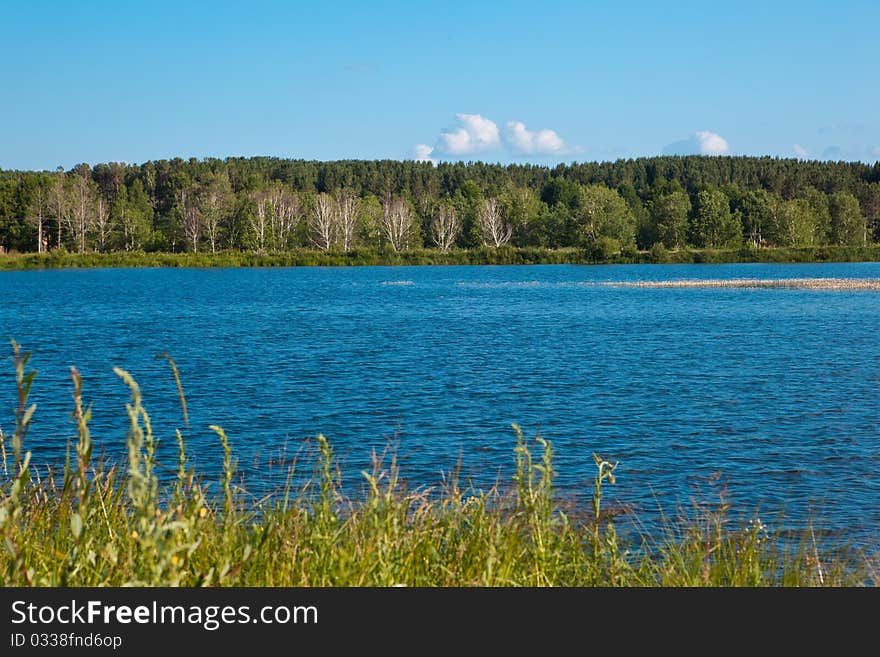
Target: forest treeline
{"points": [[266, 205]]}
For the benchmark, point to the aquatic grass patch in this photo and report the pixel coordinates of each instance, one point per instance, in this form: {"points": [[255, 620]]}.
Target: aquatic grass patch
{"points": [[94, 522]]}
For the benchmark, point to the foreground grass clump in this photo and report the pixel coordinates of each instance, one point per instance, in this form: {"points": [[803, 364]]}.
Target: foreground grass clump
{"points": [[96, 524]]}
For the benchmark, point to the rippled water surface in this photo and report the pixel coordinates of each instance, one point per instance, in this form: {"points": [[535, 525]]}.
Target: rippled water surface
{"points": [[772, 393]]}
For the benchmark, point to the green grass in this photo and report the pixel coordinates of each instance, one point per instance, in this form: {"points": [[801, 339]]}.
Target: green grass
{"points": [[479, 256], [97, 524]]}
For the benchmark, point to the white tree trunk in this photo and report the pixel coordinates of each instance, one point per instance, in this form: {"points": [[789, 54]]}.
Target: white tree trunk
{"points": [[59, 204], [445, 228], [211, 218], [286, 214], [397, 223], [260, 220], [36, 214], [102, 223], [323, 223], [347, 214], [192, 219], [82, 211], [496, 231]]}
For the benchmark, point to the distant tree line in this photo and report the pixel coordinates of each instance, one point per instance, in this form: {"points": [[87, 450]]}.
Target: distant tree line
{"points": [[268, 205]]}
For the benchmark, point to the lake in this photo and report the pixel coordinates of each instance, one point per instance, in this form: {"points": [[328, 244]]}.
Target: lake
{"points": [[767, 397]]}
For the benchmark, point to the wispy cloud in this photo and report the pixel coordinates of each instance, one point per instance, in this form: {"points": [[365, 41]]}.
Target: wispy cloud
{"points": [[833, 152], [844, 128], [855, 153]]}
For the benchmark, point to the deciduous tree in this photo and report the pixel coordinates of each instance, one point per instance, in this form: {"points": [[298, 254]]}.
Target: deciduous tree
{"points": [[669, 218], [323, 222], [38, 208], [848, 226], [602, 212], [347, 217], [398, 225], [495, 229], [82, 207], [713, 224], [445, 227], [59, 203], [191, 214], [217, 199], [102, 225]]}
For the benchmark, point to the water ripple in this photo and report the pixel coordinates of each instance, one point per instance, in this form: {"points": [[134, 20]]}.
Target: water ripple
{"points": [[776, 391]]}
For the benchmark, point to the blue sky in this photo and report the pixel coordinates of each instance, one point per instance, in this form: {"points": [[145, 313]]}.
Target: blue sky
{"points": [[542, 82]]}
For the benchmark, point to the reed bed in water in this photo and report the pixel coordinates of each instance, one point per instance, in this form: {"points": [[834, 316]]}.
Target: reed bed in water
{"points": [[795, 283], [95, 523]]}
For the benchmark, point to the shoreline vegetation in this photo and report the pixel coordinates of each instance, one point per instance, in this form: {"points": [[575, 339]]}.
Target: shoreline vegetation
{"points": [[96, 523], [507, 255], [656, 209]]}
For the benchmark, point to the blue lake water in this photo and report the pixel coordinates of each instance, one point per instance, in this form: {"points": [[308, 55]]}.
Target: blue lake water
{"points": [[770, 393]]}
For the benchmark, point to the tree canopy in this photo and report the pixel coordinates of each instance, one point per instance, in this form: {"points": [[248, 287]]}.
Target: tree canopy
{"points": [[270, 204]]}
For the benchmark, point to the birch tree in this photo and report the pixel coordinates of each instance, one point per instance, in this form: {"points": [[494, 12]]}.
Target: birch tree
{"points": [[259, 220], [102, 224], [82, 208], [323, 222], [37, 210], [495, 230], [286, 211], [397, 223], [347, 218], [191, 215], [445, 228], [216, 202], [59, 203]]}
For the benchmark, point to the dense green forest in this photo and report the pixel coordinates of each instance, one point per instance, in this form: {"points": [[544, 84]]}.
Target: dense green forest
{"points": [[267, 205]]}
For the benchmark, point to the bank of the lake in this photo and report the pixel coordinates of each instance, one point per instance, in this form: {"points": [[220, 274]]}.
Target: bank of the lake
{"points": [[508, 255]]}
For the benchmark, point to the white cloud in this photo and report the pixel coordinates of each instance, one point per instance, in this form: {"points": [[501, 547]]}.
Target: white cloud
{"points": [[422, 153], [701, 142], [711, 143], [474, 134], [801, 152], [542, 142]]}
